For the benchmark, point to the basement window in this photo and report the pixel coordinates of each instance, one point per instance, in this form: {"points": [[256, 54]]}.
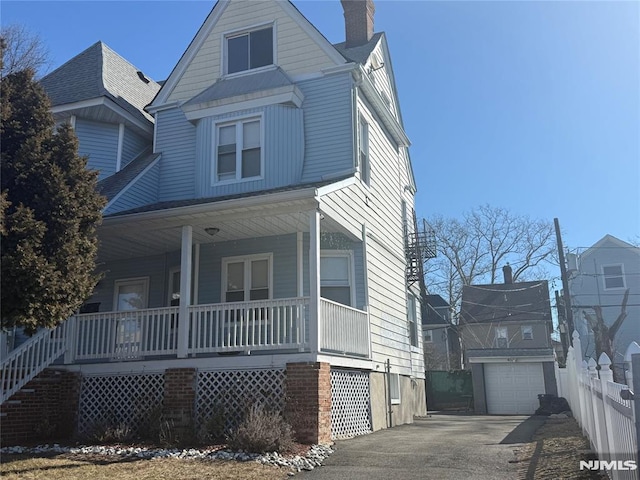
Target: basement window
{"points": [[394, 388]]}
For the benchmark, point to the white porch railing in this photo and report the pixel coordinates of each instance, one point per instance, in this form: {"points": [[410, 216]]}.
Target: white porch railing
{"points": [[30, 358], [596, 402], [343, 329], [258, 325], [125, 335]]}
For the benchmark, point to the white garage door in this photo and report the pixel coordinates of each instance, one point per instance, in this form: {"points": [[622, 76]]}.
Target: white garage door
{"points": [[513, 388]]}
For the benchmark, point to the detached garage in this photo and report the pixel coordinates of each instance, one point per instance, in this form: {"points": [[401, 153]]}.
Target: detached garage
{"points": [[513, 388]]}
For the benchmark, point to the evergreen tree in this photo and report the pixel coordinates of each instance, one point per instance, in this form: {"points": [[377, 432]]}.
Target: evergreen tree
{"points": [[49, 210]]}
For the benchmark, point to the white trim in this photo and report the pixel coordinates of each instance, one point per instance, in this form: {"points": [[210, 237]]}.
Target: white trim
{"points": [[130, 281], [238, 123], [281, 95], [186, 263], [72, 121], [300, 262], [512, 359], [108, 103], [187, 57], [120, 146], [155, 132], [395, 400], [342, 361], [196, 274], [246, 259], [348, 254], [224, 55], [334, 187], [604, 277], [253, 201], [131, 183], [165, 106]]}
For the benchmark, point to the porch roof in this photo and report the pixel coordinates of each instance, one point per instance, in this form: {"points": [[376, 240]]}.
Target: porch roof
{"points": [[156, 229]]}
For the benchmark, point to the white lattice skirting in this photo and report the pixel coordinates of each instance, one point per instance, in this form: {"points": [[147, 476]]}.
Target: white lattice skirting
{"points": [[350, 404], [235, 390], [118, 399]]}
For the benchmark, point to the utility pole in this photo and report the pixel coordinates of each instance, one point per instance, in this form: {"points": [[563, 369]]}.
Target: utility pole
{"points": [[565, 283], [562, 324]]}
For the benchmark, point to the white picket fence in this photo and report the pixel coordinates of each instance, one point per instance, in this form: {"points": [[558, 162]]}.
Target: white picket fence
{"points": [[605, 417]]}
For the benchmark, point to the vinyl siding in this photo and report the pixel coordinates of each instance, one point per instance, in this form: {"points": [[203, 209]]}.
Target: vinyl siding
{"points": [[328, 126], [143, 192], [176, 139], [99, 142], [283, 150], [296, 53], [132, 145], [283, 248]]}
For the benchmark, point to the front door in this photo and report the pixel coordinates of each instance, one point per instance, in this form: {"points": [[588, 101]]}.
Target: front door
{"points": [[130, 295]]}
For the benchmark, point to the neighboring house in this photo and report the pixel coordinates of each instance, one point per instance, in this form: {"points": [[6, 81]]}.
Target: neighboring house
{"points": [[441, 344], [600, 276], [253, 240], [506, 334]]}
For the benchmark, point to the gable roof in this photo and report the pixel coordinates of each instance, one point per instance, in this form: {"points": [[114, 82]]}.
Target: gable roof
{"points": [[608, 239], [361, 53], [522, 301], [96, 72], [207, 27]]}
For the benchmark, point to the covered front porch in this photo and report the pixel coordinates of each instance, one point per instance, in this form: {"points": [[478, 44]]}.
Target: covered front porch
{"points": [[263, 274]]}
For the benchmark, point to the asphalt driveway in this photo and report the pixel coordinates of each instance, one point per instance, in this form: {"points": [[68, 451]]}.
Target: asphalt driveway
{"points": [[456, 447]]}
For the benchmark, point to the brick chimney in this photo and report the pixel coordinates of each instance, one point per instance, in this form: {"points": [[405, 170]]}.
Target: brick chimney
{"points": [[358, 21], [508, 274]]}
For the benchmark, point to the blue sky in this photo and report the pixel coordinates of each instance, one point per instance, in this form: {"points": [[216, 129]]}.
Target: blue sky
{"points": [[532, 106]]}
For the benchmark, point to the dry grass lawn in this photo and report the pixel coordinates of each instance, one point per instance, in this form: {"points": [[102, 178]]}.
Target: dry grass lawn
{"points": [[555, 453], [100, 467]]}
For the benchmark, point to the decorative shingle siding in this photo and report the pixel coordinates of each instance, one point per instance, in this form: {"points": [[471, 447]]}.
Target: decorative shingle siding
{"points": [[99, 142]]}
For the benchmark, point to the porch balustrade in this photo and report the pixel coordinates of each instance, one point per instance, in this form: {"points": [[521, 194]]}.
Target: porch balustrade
{"points": [[279, 324]]}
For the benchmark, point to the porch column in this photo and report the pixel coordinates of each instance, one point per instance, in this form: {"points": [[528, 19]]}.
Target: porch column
{"points": [[185, 291], [315, 341]]}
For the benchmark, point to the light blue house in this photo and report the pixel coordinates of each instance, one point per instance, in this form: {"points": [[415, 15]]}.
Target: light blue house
{"points": [[599, 276], [260, 201]]}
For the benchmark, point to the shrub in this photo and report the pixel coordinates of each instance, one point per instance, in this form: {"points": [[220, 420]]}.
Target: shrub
{"points": [[262, 431], [110, 432], [214, 427]]}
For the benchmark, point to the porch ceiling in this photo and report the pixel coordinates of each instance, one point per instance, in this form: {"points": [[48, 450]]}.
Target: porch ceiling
{"points": [[150, 234]]}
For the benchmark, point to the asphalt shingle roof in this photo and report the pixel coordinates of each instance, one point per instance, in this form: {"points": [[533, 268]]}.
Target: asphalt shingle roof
{"points": [[361, 53], [525, 301], [112, 185], [100, 72]]}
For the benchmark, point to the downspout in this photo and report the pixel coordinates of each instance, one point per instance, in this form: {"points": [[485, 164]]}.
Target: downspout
{"points": [[387, 367]]}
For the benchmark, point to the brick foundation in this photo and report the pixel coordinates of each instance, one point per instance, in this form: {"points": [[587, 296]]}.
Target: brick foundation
{"points": [[308, 387], [180, 385], [46, 408]]}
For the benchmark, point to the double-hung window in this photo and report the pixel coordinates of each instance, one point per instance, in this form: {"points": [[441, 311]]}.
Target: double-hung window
{"points": [[238, 150], [335, 277], [502, 340], [613, 276], [363, 152], [246, 279], [249, 50]]}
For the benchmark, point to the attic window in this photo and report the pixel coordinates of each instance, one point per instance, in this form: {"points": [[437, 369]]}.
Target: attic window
{"points": [[249, 50]]}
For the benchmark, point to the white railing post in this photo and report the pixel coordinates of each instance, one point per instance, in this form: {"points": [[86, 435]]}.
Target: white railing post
{"points": [[606, 376], [315, 340], [185, 290], [70, 340]]}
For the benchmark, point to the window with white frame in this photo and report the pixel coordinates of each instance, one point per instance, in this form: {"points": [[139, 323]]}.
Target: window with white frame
{"points": [[527, 332], [501, 337], [613, 276], [412, 319], [336, 277], [246, 278], [428, 336], [238, 150], [394, 388], [249, 50], [363, 152]]}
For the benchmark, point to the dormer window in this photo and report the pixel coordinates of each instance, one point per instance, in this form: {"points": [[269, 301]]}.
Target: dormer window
{"points": [[249, 50]]}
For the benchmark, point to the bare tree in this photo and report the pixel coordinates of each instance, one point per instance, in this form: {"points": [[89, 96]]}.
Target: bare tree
{"points": [[22, 49], [473, 250], [604, 335]]}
